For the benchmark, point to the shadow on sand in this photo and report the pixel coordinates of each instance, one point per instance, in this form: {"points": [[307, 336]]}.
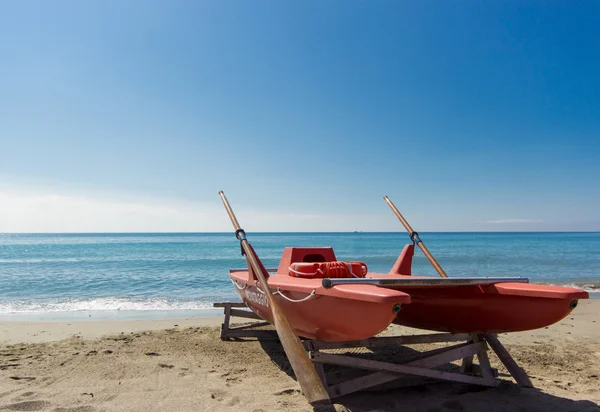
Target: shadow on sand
{"points": [[437, 396]]}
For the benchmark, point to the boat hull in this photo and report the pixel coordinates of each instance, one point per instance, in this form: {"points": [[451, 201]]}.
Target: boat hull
{"points": [[503, 307], [354, 313]]}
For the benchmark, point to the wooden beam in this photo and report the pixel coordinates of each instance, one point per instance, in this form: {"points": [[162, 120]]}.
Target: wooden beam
{"points": [[412, 357], [467, 365], [251, 325], [485, 369], [265, 334], [225, 324], [244, 314], [513, 368], [387, 372], [394, 340], [434, 360], [230, 304]]}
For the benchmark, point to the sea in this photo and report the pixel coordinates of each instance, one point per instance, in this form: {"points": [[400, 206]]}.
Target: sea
{"points": [[70, 277]]}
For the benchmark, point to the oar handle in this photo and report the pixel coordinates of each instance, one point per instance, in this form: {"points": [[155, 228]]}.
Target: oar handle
{"points": [[414, 236], [406, 225], [234, 221]]}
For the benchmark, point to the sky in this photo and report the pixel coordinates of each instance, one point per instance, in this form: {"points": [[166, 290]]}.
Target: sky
{"points": [[130, 116]]}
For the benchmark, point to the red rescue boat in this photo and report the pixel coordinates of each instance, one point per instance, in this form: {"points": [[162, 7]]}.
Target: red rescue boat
{"points": [[343, 313]]}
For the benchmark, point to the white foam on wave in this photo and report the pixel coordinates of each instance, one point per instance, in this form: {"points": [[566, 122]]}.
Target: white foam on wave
{"points": [[591, 287], [102, 304], [52, 260]]}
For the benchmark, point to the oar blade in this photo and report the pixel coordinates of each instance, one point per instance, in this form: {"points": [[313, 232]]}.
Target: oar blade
{"points": [[310, 382]]}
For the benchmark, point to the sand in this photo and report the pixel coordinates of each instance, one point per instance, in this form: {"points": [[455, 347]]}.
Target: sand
{"points": [[182, 365]]}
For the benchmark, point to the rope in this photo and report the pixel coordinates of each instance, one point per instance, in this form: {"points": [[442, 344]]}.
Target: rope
{"points": [[278, 292], [303, 273], [257, 285], [309, 297], [238, 286]]}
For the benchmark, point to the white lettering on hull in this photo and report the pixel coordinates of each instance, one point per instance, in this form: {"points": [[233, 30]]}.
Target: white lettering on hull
{"points": [[257, 298]]}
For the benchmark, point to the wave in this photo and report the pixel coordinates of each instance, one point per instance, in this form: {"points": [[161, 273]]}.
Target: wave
{"points": [[122, 259], [592, 286], [102, 304]]}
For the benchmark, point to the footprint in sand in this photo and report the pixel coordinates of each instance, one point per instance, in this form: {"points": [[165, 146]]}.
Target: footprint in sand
{"points": [[287, 392], [233, 375], [234, 401], [84, 408], [219, 395], [28, 406]]}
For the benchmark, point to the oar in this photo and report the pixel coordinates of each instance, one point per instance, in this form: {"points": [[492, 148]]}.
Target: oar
{"points": [[310, 383], [414, 236]]}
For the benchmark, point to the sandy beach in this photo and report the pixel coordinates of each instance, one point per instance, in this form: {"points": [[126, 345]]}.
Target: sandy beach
{"points": [[182, 365]]}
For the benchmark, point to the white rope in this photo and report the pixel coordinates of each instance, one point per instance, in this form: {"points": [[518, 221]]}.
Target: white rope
{"points": [[278, 292], [238, 286], [312, 295], [304, 273], [257, 285]]}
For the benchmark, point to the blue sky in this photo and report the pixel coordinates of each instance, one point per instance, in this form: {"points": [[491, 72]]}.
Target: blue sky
{"points": [[130, 116]]}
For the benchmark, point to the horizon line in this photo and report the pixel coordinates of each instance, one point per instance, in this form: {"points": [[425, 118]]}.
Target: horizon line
{"points": [[294, 232]]}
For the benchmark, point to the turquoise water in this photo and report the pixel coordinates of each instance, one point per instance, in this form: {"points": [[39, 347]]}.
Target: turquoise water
{"points": [[131, 276]]}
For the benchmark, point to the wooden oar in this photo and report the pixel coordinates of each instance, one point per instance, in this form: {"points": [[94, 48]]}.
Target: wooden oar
{"points": [[310, 383], [414, 236]]}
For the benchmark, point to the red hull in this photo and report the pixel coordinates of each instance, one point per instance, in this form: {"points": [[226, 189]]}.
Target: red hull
{"points": [[504, 307], [342, 314]]}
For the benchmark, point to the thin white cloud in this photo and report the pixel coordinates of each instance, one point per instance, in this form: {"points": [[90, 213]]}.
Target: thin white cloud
{"points": [[51, 212], [502, 221]]}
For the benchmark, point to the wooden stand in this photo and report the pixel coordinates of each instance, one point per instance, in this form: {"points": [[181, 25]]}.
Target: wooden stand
{"points": [[353, 371], [245, 331]]}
